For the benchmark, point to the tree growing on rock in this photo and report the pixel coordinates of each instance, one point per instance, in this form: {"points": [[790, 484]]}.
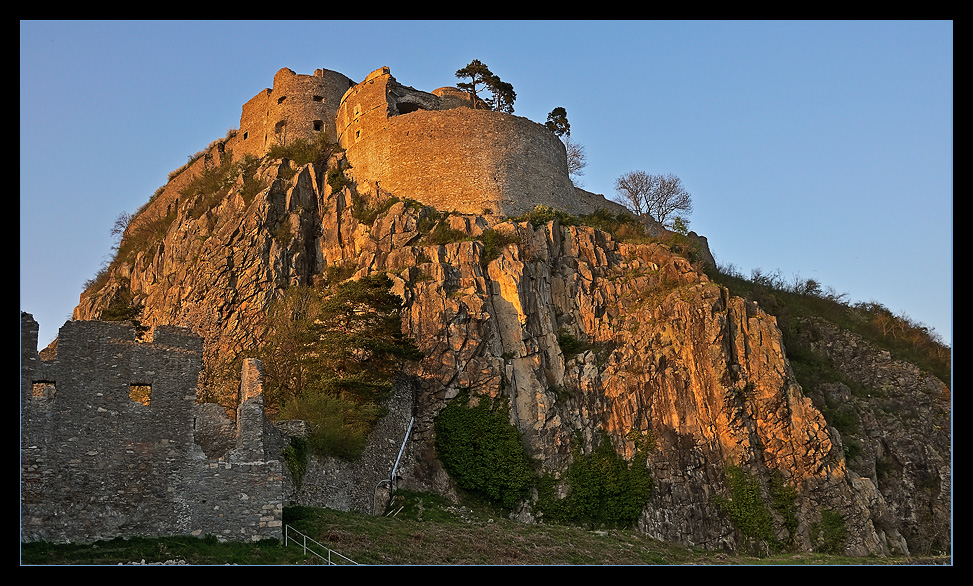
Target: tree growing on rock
{"points": [[557, 122], [478, 75], [330, 358], [503, 95]]}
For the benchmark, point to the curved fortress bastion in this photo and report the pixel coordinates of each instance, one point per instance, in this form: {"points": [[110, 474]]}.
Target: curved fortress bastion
{"points": [[434, 148]]}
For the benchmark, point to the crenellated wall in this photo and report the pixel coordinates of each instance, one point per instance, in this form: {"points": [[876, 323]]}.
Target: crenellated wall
{"points": [[108, 448]]}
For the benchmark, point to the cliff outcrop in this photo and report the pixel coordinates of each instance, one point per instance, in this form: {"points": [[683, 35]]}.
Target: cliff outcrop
{"points": [[662, 351], [894, 423]]}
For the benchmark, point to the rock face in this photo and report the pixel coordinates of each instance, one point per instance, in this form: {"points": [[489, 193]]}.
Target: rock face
{"points": [[660, 351], [894, 423]]}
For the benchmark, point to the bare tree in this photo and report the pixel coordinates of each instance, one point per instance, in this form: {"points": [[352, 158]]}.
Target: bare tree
{"points": [[577, 159], [658, 196]]}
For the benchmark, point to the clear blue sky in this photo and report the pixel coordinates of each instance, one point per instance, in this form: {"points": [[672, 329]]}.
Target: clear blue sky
{"points": [[819, 149]]}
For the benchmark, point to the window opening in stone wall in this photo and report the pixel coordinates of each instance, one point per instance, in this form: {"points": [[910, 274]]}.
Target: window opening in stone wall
{"points": [[318, 125], [281, 99], [318, 98], [42, 389], [140, 393], [245, 135]]}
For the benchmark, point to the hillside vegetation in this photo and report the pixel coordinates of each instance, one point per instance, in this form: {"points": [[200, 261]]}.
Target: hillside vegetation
{"points": [[906, 339]]}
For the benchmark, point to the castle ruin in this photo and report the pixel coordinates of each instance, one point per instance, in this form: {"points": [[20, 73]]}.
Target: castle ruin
{"points": [[431, 147], [108, 441]]}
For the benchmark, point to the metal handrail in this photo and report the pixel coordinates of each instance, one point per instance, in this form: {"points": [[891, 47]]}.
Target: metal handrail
{"points": [[336, 560], [391, 479]]}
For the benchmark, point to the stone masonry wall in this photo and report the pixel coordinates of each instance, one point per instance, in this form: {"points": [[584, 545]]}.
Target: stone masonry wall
{"points": [[107, 443], [452, 158], [298, 106], [470, 161]]}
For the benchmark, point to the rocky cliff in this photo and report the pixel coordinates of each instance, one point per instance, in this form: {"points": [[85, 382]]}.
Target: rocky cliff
{"points": [[582, 333]]}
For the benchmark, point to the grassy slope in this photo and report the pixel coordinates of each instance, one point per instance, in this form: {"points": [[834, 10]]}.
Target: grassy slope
{"points": [[425, 531]]}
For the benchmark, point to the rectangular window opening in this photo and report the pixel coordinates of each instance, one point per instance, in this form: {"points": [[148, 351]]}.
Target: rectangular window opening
{"points": [[140, 393], [43, 389]]}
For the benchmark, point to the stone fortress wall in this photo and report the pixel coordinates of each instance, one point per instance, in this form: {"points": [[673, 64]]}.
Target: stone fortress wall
{"points": [[108, 446], [296, 107], [434, 148]]}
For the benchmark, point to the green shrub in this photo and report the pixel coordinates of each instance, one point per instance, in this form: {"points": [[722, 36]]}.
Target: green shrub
{"points": [[622, 226], [783, 499], [482, 451], [123, 307], [337, 427], [493, 244], [442, 234], [296, 458], [542, 214], [746, 507], [830, 534], [335, 178], [247, 169], [339, 272], [603, 489], [570, 346], [361, 209]]}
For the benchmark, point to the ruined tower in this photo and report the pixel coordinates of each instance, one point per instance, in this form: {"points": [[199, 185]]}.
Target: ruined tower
{"points": [[296, 107]]}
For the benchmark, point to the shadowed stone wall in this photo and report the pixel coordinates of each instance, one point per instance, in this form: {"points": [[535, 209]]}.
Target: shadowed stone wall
{"points": [[107, 443]]}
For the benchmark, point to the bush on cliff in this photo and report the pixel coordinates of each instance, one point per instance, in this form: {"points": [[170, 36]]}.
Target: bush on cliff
{"points": [[603, 489], [482, 451], [302, 151]]}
